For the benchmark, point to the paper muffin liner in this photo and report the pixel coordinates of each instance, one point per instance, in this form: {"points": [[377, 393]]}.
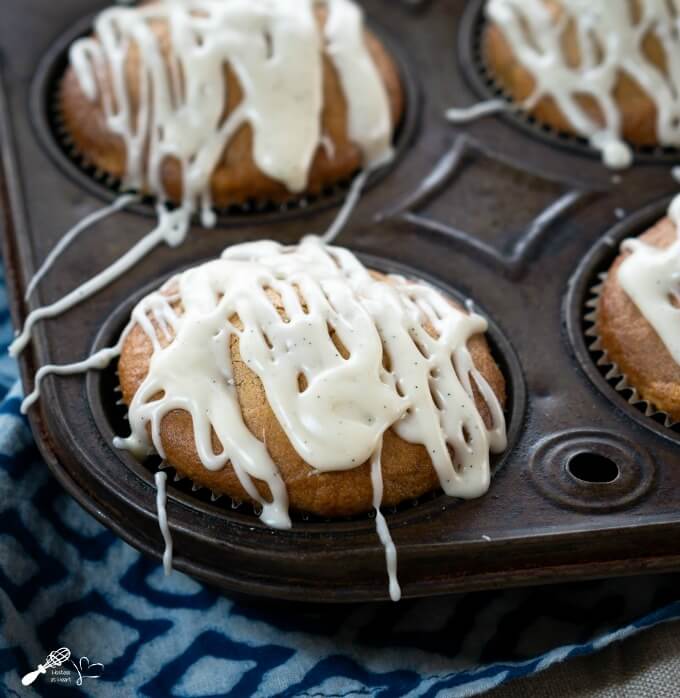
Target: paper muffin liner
{"points": [[191, 486], [609, 368], [252, 206], [197, 487], [68, 147]]}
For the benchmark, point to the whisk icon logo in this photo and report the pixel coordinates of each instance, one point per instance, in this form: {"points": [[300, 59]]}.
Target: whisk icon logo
{"points": [[82, 669], [54, 659]]}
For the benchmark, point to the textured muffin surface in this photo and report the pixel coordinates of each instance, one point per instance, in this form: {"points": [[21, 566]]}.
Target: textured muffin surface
{"points": [[407, 469], [632, 343], [637, 110], [236, 179]]}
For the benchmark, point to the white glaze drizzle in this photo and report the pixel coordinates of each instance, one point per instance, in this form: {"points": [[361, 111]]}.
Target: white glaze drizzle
{"points": [[338, 421], [275, 49], [180, 114], [369, 119], [348, 206], [327, 424], [651, 277], [381, 527], [172, 228], [120, 203], [610, 42], [463, 115], [161, 499], [98, 360]]}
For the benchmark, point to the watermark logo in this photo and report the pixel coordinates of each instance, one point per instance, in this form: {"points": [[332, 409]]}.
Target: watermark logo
{"points": [[54, 659], [82, 669]]}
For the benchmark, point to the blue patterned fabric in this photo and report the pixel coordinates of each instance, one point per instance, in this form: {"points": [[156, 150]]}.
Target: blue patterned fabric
{"points": [[67, 581]]}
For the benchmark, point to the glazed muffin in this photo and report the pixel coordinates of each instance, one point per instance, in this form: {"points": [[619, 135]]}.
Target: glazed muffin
{"points": [[626, 331], [554, 58], [154, 116], [320, 380]]}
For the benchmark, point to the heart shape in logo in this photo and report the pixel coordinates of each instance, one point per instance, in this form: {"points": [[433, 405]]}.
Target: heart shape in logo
{"points": [[90, 671]]}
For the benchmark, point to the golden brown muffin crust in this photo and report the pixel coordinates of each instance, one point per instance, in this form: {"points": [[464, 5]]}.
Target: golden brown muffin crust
{"points": [[632, 343], [638, 111], [407, 469], [236, 178]]}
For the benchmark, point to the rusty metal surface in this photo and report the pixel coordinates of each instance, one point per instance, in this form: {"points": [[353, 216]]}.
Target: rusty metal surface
{"points": [[520, 222]]}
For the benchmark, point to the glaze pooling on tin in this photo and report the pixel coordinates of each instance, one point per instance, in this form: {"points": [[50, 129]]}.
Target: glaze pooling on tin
{"points": [[350, 399], [275, 48], [651, 278], [611, 41]]}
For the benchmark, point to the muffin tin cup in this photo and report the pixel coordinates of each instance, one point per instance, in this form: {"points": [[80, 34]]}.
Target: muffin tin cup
{"points": [[111, 419], [583, 303], [488, 211]]}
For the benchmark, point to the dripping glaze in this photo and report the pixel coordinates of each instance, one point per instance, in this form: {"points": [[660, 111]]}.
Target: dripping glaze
{"points": [[610, 43], [650, 276], [171, 229], [276, 49], [329, 427], [338, 421], [161, 501]]}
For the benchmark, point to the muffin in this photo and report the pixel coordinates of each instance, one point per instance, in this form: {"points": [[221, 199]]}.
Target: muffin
{"points": [[229, 101], [557, 60], [318, 367], [638, 330]]}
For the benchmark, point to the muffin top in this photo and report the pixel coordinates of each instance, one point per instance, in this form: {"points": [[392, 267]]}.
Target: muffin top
{"points": [[283, 373], [599, 69], [222, 101], [639, 313]]}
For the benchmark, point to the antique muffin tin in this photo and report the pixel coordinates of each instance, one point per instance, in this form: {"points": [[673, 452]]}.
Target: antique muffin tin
{"points": [[520, 219]]}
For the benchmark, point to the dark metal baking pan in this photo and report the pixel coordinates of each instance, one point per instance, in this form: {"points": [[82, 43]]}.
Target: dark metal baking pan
{"points": [[493, 212]]}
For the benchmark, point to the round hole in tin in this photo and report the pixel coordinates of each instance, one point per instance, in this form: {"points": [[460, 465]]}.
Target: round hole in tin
{"points": [[45, 117], [591, 470], [471, 58], [110, 416], [593, 467], [580, 309]]}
